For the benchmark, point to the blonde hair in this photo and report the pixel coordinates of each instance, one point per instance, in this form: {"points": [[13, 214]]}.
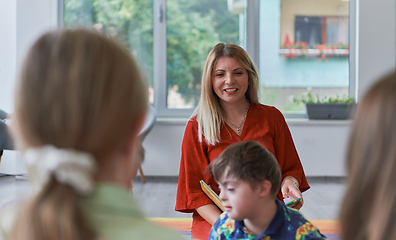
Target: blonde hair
{"points": [[77, 89], [369, 207], [210, 114]]}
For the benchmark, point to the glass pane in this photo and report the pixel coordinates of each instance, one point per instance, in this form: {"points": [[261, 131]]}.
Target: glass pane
{"points": [[129, 21], [193, 28], [304, 48]]}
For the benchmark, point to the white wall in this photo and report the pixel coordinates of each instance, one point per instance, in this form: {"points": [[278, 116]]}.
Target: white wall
{"points": [[33, 18], [321, 144], [8, 49], [376, 48], [7, 53], [22, 21]]}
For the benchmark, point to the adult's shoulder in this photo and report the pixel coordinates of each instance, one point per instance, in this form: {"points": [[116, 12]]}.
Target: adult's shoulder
{"points": [[192, 124], [191, 132], [268, 112], [192, 120]]}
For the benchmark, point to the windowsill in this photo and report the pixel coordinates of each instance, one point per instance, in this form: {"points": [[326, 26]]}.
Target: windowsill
{"points": [[290, 121], [310, 122], [172, 121]]}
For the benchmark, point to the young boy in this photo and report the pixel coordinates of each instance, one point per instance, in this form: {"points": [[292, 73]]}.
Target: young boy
{"points": [[249, 178]]}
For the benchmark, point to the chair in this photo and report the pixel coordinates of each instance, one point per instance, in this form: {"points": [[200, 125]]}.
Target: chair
{"points": [[6, 142], [3, 115]]}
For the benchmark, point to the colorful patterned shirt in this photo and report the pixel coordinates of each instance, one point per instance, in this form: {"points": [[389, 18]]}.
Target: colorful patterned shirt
{"points": [[287, 224]]}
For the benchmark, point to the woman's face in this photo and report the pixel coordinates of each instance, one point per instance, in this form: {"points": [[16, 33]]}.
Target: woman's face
{"points": [[230, 80]]}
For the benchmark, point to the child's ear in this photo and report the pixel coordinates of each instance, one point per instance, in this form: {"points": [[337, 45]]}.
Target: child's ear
{"points": [[265, 188]]}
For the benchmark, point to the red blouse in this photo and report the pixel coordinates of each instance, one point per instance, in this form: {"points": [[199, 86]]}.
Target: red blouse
{"points": [[263, 124]]}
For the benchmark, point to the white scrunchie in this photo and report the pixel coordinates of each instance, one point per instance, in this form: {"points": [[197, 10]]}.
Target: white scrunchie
{"points": [[68, 166]]}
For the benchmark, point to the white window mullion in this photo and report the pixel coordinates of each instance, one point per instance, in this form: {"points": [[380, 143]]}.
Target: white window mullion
{"points": [[160, 81], [60, 13], [252, 30], [159, 58], [353, 45]]}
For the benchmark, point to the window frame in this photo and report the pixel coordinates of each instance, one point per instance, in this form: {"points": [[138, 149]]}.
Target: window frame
{"points": [[252, 47], [159, 65]]}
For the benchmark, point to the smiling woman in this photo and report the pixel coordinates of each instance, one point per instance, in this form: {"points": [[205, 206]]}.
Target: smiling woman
{"points": [[229, 112], [230, 81]]}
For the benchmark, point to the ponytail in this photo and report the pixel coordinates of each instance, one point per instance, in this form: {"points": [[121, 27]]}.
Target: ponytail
{"points": [[54, 213]]}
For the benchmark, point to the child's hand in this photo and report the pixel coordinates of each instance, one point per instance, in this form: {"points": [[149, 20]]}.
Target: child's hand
{"points": [[290, 190]]}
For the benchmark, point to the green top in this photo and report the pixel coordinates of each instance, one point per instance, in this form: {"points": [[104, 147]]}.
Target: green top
{"points": [[114, 214]]}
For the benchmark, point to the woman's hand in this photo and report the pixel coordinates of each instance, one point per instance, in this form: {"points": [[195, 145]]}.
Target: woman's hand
{"points": [[289, 189]]}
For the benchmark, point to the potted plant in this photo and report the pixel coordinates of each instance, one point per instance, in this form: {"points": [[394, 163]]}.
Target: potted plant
{"points": [[327, 108]]}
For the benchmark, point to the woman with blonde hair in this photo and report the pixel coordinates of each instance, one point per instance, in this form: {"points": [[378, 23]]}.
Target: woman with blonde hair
{"points": [[229, 112], [80, 103], [369, 207]]}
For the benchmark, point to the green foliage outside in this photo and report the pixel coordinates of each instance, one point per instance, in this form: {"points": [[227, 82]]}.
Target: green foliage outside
{"points": [[129, 21], [193, 28], [268, 95], [292, 107], [310, 99]]}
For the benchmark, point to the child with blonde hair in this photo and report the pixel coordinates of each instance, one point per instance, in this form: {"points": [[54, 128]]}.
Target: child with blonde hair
{"points": [[249, 178], [80, 103], [369, 207]]}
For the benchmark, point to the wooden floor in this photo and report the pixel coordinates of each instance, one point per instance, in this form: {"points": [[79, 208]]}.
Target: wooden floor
{"points": [[12, 188], [157, 196]]}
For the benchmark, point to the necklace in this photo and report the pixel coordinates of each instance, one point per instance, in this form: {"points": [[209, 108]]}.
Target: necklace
{"points": [[238, 128]]}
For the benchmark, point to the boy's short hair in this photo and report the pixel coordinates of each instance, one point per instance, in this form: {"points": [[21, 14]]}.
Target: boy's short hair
{"points": [[248, 161]]}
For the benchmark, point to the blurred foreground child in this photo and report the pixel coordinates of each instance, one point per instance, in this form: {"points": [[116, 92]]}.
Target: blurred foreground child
{"points": [[80, 103], [369, 207]]}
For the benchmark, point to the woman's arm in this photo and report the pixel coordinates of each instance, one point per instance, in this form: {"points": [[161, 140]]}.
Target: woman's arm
{"points": [[209, 212], [287, 155], [193, 164]]}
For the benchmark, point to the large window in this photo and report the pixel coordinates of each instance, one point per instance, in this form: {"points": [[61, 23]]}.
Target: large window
{"points": [[193, 27], [130, 21], [300, 46], [304, 48]]}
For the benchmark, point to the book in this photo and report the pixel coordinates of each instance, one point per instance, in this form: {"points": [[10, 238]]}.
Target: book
{"points": [[212, 195]]}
